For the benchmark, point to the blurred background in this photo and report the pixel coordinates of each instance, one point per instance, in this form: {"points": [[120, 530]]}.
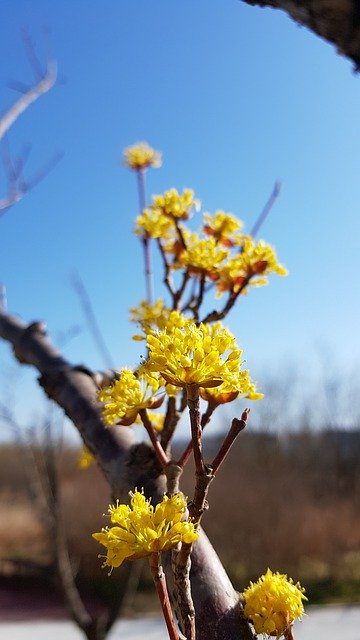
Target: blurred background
{"points": [[235, 98]]}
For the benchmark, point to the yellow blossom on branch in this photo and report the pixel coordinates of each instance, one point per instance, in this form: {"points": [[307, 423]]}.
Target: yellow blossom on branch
{"points": [[205, 355], [156, 316], [124, 399], [202, 255], [140, 529], [141, 156], [178, 206], [252, 265], [273, 603], [154, 224], [223, 227]]}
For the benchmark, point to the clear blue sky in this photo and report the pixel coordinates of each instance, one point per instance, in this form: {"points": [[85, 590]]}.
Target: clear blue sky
{"points": [[235, 97]]}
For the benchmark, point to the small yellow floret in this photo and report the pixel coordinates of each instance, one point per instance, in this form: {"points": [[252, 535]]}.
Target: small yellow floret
{"points": [[273, 603], [141, 156], [251, 266], [128, 395], [202, 255], [140, 529], [224, 227], [154, 317]]}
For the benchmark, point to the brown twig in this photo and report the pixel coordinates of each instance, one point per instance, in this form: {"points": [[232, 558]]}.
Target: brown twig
{"points": [[213, 316], [193, 400], [236, 426], [160, 453], [161, 588], [167, 273], [205, 418]]}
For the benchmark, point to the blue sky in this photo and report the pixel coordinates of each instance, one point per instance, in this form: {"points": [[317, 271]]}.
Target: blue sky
{"points": [[235, 97]]}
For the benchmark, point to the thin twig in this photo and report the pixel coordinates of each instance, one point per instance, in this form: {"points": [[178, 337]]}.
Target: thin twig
{"points": [[45, 84], [266, 210], [193, 400], [149, 280], [161, 588], [205, 419], [236, 426], [160, 453]]}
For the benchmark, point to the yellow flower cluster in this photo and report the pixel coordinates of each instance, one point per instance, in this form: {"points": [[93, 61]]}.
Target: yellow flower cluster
{"points": [[273, 603], [205, 355], [141, 156], [140, 530], [251, 266], [155, 317], [202, 255], [224, 227], [128, 395], [176, 205], [157, 220]]}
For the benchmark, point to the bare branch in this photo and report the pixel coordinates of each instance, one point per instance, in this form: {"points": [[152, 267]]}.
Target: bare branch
{"points": [[45, 84]]}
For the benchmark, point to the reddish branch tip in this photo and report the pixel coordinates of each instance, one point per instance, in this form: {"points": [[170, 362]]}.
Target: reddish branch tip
{"points": [[244, 415]]}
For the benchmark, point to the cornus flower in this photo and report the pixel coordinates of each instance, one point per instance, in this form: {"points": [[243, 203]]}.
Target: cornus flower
{"points": [[141, 156], [251, 266], [128, 395], [140, 529], [152, 317], [175, 205], [222, 227], [201, 255], [154, 224], [273, 603], [203, 355]]}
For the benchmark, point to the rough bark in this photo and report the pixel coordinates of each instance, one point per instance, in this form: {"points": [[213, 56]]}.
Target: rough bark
{"points": [[125, 465], [337, 21]]}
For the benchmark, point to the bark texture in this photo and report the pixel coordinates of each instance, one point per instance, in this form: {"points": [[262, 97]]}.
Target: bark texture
{"points": [[337, 21], [125, 465]]}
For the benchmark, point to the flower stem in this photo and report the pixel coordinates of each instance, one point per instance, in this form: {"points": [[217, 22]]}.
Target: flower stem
{"points": [[161, 588], [145, 240], [160, 453], [193, 401]]}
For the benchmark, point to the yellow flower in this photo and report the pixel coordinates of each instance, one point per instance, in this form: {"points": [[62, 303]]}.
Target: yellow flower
{"points": [[201, 255], [205, 355], [86, 458], [223, 227], [128, 395], [273, 603], [251, 266], [156, 316], [175, 205], [141, 156], [140, 529], [154, 224]]}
